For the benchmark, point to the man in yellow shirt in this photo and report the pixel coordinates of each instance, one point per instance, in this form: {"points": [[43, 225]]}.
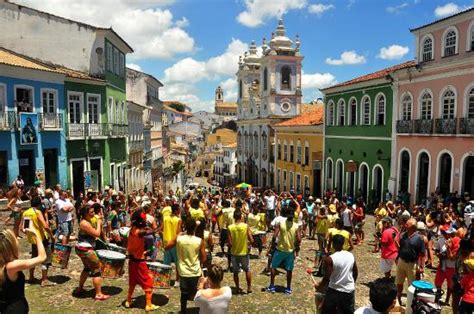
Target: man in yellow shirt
{"points": [[239, 236], [196, 212], [288, 235], [228, 219], [339, 229], [171, 229]]}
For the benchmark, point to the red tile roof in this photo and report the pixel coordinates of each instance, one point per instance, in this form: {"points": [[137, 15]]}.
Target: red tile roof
{"points": [[374, 75], [308, 116], [442, 19]]}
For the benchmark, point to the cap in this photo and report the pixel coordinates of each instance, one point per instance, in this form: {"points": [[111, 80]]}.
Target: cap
{"points": [[420, 225], [310, 198], [318, 200]]}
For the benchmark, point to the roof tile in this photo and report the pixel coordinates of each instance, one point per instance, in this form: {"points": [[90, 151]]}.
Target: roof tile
{"points": [[308, 116]]}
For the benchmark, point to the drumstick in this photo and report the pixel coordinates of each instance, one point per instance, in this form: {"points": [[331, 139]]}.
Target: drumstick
{"points": [[309, 271]]}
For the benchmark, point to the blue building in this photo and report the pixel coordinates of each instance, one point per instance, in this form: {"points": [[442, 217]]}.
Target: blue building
{"points": [[32, 138]]}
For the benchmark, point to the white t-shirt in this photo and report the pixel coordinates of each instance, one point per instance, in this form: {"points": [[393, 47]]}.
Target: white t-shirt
{"points": [[216, 305], [276, 221], [366, 310], [63, 216], [270, 202], [341, 277], [346, 217]]}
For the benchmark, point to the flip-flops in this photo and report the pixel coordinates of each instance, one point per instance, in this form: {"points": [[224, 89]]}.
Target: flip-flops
{"points": [[152, 307], [102, 297]]}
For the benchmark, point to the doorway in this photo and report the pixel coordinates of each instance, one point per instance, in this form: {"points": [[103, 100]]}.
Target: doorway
{"points": [[351, 184], [77, 176], [50, 167], [378, 184], [404, 172], [3, 169], [444, 179], [423, 177], [468, 176], [339, 177], [363, 181], [96, 164], [27, 165]]}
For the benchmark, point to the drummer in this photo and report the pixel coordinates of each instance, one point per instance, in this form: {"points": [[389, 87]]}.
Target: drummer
{"points": [[85, 249], [256, 222]]}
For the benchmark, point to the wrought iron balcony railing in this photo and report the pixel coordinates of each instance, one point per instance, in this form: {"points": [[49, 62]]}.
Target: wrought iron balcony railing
{"points": [[404, 126], [424, 126], [7, 120], [445, 126], [49, 121], [466, 125]]}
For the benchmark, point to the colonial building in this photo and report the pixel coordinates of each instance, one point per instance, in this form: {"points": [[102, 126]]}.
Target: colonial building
{"points": [[230, 164], [221, 108], [434, 111], [299, 151], [358, 135], [221, 137], [269, 92], [135, 173]]}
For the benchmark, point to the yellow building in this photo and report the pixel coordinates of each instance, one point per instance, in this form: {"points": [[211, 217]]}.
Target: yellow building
{"points": [[299, 152], [221, 136]]}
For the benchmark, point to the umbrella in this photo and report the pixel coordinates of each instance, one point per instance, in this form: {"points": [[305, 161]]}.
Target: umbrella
{"points": [[243, 185]]}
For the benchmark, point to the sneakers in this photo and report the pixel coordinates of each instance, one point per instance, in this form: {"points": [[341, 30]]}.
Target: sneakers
{"points": [[288, 291], [151, 307], [271, 289]]}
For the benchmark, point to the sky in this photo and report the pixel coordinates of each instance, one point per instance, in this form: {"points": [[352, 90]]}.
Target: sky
{"points": [[192, 46]]}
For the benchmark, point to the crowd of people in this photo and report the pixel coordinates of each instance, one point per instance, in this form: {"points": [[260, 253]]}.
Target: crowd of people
{"points": [[187, 231]]}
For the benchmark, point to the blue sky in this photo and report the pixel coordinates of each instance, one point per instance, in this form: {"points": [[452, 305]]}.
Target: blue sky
{"points": [[193, 45]]}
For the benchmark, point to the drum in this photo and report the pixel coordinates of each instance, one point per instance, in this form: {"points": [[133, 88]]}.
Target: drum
{"points": [[111, 263], [160, 273], [60, 255], [124, 232], [115, 248]]}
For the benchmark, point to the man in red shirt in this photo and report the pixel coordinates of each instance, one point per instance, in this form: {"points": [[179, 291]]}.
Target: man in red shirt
{"points": [[389, 244], [446, 249]]}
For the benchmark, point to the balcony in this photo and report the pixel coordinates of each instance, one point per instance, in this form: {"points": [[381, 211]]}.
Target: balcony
{"points": [[466, 126], [135, 146], [83, 130], [445, 126], [51, 121], [7, 120], [119, 130], [404, 126], [424, 126]]}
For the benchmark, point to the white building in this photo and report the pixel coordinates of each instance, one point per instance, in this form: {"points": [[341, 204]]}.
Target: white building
{"points": [[229, 165], [269, 91], [135, 174], [219, 168]]}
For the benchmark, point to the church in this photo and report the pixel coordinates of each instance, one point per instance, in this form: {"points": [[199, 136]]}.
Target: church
{"points": [[222, 108], [269, 92]]}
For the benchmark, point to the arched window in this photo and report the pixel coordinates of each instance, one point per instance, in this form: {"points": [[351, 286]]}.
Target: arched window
{"points": [[470, 104], [449, 104], [279, 150], [330, 113], [426, 106], [264, 146], [450, 42], [353, 112], [329, 170], [285, 151], [471, 38], [380, 118], [292, 152], [406, 107], [299, 152], [285, 78], [255, 145], [240, 88], [341, 112], [265, 79], [427, 49], [306, 153], [365, 111], [239, 143]]}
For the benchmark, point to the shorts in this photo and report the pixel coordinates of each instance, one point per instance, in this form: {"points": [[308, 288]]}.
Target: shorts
{"points": [[65, 228], [138, 275], [442, 275], [270, 216], [321, 237], [283, 259], [90, 260], [224, 235], [188, 285], [386, 265], [171, 256], [405, 270], [15, 215], [239, 262], [47, 248]]}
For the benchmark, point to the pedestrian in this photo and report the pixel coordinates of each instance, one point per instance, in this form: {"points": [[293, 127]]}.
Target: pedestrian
{"points": [[239, 237], [347, 218], [191, 251], [359, 220], [12, 279], [411, 255], [467, 283], [382, 296], [228, 219], [340, 276], [255, 222], [338, 230], [389, 244], [211, 297], [446, 249], [312, 208], [171, 228], [14, 200], [270, 199], [64, 210]]}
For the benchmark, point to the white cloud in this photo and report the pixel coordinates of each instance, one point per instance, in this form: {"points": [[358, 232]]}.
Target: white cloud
{"points": [[320, 8], [317, 81], [258, 11], [397, 9], [186, 93], [186, 70], [150, 29], [134, 66], [393, 52], [230, 89], [449, 9], [347, 57]]}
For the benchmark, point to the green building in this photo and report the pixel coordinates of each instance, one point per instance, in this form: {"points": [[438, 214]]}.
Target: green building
{"points": [[358, 136]]}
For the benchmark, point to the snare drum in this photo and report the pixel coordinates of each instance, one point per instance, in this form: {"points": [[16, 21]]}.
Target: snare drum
{"points": [[160, 273], [115, 248], [60, 255], [111, 263]]}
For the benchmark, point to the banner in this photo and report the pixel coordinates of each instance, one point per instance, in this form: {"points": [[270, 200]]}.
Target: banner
{"points": [[28, 128]]}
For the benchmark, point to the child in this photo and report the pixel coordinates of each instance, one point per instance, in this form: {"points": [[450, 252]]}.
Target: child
{"points": [[137, 268]]}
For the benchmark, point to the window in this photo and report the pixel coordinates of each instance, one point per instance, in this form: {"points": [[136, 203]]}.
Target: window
{"points": [[380, 118], [292, 152], [124, 113], [306, 154], [240, 89], [470, 105], [265, 79], [93, 108], [278, 180], [284, 181], [279, 151], [117, 112], [299, 152], [298, 183], [306, 185], [264, 146], [285, 152], [255, 145], [24, 99], [111, 110], [291, 182], [366, 111], [426, 106], [330, 115], [116, 61], [427, 49], [74, 108], [109, 56], [406, 107], [449, 103], [285, 78], [450, 43], [471, 39], [3, 97], [48, 99], [341, 112], [353, 112], [122, 65]]}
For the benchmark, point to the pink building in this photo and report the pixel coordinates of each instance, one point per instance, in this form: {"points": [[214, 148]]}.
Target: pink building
{"points": [[434, 111]]}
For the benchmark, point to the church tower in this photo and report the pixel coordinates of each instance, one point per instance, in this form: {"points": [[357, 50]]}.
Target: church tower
{"points": [[219, 95], [281, 75], [248, 76]]}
